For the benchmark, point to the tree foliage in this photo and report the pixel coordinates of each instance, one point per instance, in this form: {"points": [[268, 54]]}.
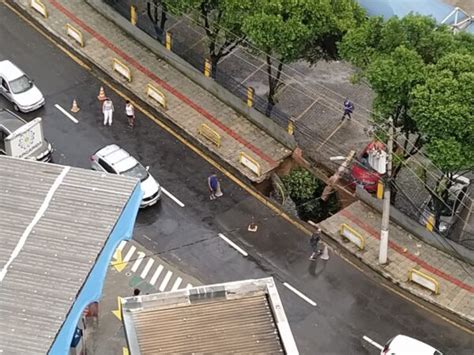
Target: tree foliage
{"points": [[289, 30], [305, 190]]}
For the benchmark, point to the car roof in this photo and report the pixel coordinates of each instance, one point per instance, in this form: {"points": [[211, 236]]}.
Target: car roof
{"points": [[10, 71], [10, 121], [119, 158], [403, 344]]}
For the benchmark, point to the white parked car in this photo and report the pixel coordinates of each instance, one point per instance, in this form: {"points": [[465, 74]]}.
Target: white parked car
{"points": [[115, 160], [19, 89], [403, 345]]}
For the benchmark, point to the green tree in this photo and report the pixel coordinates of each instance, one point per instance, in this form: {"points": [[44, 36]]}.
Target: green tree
{"points": [[289, 30], [392, 56], [221, 21], [442, 107], [305, 190]]}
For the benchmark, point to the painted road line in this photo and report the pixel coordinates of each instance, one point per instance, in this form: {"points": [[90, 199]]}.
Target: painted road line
{"points": [[189, 286], [303, 296], [139, 260], [176, 284], [129, 254], [233, 245], [167, 193], [122, 245], [155, 276], [165, 281], [67, 114], [147, 268], [371, 342]]}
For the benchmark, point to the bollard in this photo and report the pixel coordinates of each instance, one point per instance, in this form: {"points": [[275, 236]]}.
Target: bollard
{"points": [[207, 68], [168, 41], [250, 93], [380, 189], [291, 127], [430, 221], [133, 15]]}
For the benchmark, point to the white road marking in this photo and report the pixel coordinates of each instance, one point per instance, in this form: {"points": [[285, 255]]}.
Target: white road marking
{"points": [[39, 213], [176, 284], [189, 286], [233, 245], [139, 260], [167, 193], [147, 268], [371, 342], [67, 114], [122, 245], [165, 281], [129, 254], [303, 296], [155, 276]]}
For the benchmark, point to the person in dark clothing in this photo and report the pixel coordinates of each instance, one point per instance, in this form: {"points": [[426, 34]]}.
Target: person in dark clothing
{"points": [[314, 242], [213, 184], [348, 109]]}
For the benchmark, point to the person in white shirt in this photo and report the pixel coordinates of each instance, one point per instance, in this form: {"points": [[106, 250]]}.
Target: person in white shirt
{"points": [[108, 110], [130, 112]]}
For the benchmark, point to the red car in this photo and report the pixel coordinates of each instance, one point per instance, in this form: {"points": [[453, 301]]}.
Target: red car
{"points": [[369, 166]]}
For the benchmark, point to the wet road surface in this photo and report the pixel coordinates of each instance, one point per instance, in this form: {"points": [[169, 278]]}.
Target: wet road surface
{"points": [[350, 304]]}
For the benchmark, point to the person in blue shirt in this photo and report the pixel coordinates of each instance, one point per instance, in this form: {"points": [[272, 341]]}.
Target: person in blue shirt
{"points": [[348, 109], [213, 184]]}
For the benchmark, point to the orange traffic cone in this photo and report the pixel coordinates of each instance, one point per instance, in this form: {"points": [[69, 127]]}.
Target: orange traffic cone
{"points": [[74, 107], [101, 96]]}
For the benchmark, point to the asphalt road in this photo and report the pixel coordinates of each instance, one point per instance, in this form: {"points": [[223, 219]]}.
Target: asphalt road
{"points": [[350, 304]]}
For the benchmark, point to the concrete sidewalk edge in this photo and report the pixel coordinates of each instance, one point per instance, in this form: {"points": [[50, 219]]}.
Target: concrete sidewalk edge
{"points": [[388, 276], [258, 119]]}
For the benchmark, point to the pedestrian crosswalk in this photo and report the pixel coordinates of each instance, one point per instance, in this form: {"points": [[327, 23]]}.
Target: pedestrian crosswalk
{"points": [[152, 270]]}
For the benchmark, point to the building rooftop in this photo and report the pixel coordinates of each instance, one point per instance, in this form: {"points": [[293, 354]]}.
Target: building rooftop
{"points": [[236, 317], [55, 222]]}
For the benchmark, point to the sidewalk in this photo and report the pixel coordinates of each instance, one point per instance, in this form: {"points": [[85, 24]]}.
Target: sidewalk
{"points": [[407, 252], [188, 105]]}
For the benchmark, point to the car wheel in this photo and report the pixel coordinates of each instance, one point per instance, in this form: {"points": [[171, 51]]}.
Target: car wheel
{"points": [[17, 109]]}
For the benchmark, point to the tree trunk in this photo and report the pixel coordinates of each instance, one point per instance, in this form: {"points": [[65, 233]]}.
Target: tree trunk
{"points": [[273, 85]]}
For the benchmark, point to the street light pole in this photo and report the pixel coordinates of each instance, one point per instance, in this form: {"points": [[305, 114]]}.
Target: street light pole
{"points": [[386, 199]]}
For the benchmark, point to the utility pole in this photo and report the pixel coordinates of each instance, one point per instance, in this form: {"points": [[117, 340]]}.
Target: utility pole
{"points": [[333, 180], [386, 198]]}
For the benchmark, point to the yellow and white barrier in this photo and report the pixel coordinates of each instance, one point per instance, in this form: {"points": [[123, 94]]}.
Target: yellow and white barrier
{"points": [[211, 135], [75, 34], [39, 7], [156, 95], [353, 236], [250, 163], [424, 280], [122, 69]]}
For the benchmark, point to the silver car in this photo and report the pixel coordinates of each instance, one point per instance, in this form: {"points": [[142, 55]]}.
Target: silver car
{"points": [[18, 88], [115, 160]]}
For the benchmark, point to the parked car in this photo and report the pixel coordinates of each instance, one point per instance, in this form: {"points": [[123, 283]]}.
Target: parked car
{"points": [[18, 88], [369, 166], [22, 139], [456, 194], [404, 345], [115, 160]]}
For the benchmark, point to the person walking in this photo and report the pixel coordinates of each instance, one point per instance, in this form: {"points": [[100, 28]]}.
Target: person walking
{"points": [[314, 242], [214, 186], [108, 110], [130, 112], [348, 109]]}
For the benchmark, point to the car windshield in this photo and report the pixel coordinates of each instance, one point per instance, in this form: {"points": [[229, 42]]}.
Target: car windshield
{"points": [[138, 171], [20, 85]]}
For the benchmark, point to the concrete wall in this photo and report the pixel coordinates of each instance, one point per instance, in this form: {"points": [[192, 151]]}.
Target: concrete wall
{"points": [[413, 227], [258, 119]]}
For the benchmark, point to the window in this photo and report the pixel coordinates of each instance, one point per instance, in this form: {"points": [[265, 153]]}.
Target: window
{"points": [[106, 166]]}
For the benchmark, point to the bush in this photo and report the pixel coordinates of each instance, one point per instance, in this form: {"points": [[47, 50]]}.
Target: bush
{"points": [[305, 190]]}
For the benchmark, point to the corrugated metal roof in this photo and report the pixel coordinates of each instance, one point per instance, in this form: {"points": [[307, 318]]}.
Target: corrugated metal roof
{"points": [[238, 317], [49, 260]]}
